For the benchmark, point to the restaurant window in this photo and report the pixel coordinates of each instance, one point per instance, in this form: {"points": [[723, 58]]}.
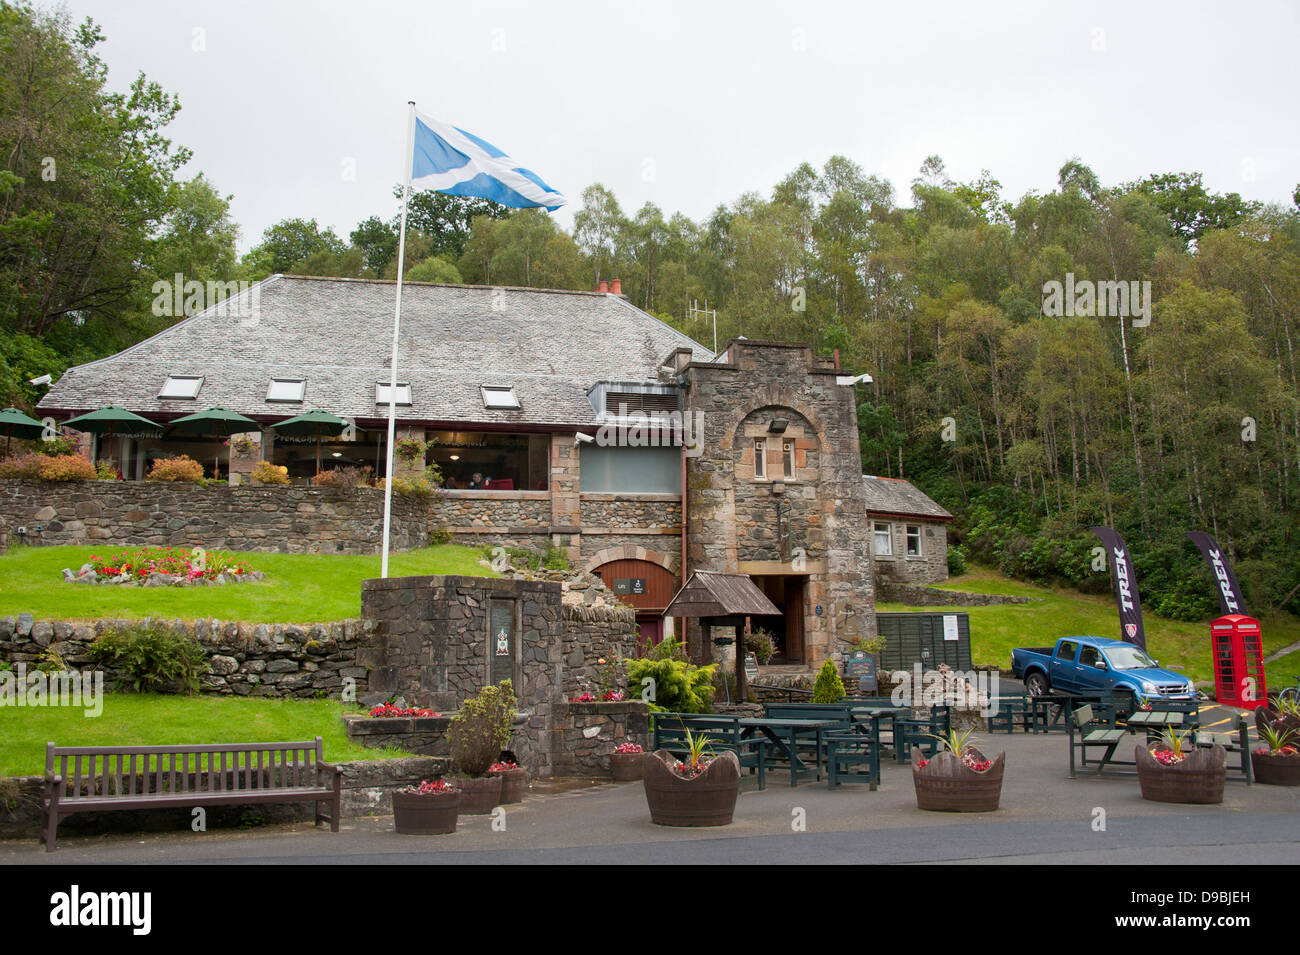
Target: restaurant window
{"points": [[913, 540], [491, 461], [286, 389], [787, 459], [613, 469], [496, 397], [884, 541], [382, 392], [760, 458], [181, 386]]}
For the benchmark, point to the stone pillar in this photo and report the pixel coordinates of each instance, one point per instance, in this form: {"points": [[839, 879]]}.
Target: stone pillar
{"points": [[566, 518], [402, 467], [245, 453]]}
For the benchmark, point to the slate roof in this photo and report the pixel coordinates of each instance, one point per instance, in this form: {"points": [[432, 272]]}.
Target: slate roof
{"points": [[712, 594], [896, 496], [337, 334]]}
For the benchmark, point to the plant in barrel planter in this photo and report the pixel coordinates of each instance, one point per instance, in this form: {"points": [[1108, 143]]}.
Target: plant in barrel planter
{"points": [[428, 809], [476, 735], [700, 791], [958, 779], [513, 780], [625, 762], [1277, 761], [1281, 713], [1170, 771]]}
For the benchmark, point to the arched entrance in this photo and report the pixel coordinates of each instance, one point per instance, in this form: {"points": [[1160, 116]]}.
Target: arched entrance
{"points": [[645, 586]]}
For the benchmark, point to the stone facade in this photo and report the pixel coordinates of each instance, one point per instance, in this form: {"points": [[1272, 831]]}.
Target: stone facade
{"points": [[436, 643], [289, 519], [779, 393], [583, 735], [281, 660], [928, 567]]}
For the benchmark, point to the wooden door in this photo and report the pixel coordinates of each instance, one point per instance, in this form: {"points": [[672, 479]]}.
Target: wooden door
{"points": [[794, 629]]}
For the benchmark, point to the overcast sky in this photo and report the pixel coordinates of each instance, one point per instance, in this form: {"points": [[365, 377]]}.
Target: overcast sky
{"points": [[299, 109]]}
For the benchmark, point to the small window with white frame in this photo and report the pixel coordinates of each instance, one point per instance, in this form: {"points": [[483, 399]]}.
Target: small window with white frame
{"points": [[181, 387], [913, 540], [760, 459], [883, 540], [382, 392], [499, 397], [286, 389], [787, 459]]}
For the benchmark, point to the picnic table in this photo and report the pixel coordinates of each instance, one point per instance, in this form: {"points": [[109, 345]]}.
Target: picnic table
{"points": [[1102, 728], [783, 733]]}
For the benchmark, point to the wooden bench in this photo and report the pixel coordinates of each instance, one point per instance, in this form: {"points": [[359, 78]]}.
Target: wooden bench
{"points": [[1094, 725], [1235, 742], [109, 778], [670, 733], [921, 733], [1010, 712]]}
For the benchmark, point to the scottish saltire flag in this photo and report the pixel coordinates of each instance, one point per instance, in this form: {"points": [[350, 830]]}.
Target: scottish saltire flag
{"points": [[453, 161]]}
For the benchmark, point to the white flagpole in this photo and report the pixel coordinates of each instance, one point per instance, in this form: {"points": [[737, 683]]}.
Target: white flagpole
{"points": [[397, 324]]}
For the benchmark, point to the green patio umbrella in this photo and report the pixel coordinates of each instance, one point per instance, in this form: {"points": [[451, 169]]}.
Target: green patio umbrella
{"points": [[221, 422], [317, 422], [18, 424], [110, 419]]}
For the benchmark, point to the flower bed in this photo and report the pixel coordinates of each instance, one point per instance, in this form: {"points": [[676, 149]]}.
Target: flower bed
{"points": [[162, 566], [390, 710]]}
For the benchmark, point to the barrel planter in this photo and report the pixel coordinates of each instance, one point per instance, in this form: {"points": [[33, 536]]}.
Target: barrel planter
{"points": [[1266, 716], [1274, 769], [625, 767], [946, 784], [708, 799], [513, 782], [479, 795], [1199, 778], [425, 814]]}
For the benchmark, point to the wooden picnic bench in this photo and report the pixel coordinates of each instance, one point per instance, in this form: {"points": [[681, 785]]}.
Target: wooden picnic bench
{"points": [[1237, 742], [854, 740], [109, 778], [1093, 726]]}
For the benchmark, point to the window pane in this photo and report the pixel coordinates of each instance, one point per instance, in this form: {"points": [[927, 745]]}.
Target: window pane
{"points": [[494, 397], [178, 386], [403, 394], [884, 541], [286, 389], [787, 453], [913, 541], [760, 458]]}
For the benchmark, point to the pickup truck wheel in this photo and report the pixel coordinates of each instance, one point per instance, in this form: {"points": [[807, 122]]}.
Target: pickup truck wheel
{"points": [[1036, 684]]}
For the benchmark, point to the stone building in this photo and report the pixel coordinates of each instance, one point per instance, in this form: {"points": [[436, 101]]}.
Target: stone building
{"points": [[909, 532], [559, 419]]}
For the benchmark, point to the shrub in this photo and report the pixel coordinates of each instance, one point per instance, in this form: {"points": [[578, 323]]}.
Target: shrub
{"points": [[481, 730], [760, 643], [181, 469], [344, 477], [106, 470], [44, 467], [677, 684], [152, 657], [57, 446], [439, 537], [268, 473], [956, 560], [829, 687]]}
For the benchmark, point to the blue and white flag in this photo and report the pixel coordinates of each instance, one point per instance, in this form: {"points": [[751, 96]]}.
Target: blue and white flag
{"points": [[451, 160]]}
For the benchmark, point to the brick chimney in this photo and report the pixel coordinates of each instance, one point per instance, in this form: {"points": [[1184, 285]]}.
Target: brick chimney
{"points": [[617, 287]]}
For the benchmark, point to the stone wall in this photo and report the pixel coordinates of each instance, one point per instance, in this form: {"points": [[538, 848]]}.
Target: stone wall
{"points": [[584, 734], [282, 660], [615, 512], [919, 596], [494, 512], [434, 646], [293, 519]]}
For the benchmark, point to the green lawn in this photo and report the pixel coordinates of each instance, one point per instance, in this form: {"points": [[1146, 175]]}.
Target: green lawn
{"points": [[299, 588], [151, 720], [996, 631]]}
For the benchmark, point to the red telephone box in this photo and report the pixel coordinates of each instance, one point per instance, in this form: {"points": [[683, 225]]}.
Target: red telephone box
{"points": [[1238, 661]]}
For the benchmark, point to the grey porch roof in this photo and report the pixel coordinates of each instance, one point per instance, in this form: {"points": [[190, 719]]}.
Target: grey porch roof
{"points": [[899, 497], [337, 335], [711, 594]]}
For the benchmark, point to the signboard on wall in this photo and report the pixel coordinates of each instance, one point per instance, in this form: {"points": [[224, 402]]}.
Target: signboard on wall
{"points": [[950, 631], [630, 585]]}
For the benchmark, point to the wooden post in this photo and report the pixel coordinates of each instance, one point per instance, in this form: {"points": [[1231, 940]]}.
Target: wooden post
{"points": [[740, 662]]}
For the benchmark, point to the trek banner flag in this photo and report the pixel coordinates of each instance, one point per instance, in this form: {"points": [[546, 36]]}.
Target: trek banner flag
{"points": [[1126, 591], [1230, 597]]}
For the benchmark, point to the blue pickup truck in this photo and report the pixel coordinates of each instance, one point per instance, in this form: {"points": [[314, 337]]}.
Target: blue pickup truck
{"points": [[1095, 664]]}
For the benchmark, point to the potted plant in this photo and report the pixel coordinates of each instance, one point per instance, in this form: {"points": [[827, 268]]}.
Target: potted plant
{"points": [[1280, 712], [625, 762], [1277, 762], [958, 779], [428, 809], [1170, 771], [513, 779], [476, 735], [697, 792]]}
